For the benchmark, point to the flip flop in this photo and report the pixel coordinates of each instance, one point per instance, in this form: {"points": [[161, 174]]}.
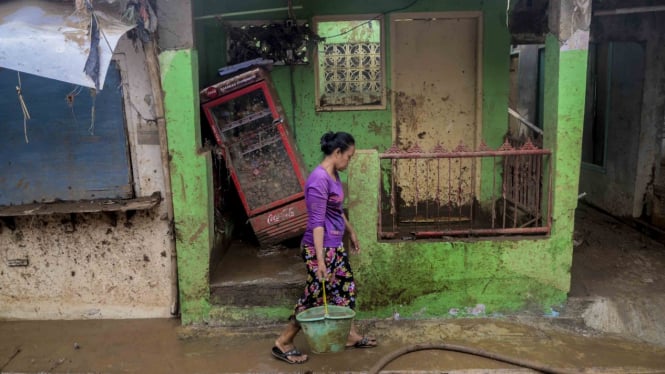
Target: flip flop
{"points": [[365, 342], [284, 356]]}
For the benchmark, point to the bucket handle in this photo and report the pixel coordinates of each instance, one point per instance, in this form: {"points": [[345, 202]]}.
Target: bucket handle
{"points": [[325, 299]]}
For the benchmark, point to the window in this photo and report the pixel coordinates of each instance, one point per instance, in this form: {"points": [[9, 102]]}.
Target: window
{"points": [[350, 63]]}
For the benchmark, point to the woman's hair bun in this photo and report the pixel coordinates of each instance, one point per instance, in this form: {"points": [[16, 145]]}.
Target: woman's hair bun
{"points": [[327, 137], [333, 140]]}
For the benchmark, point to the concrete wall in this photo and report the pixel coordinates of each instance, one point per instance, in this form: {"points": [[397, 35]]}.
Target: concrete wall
{"points": [[637, 153], [190, 166], [98, 265], [191, 180]]}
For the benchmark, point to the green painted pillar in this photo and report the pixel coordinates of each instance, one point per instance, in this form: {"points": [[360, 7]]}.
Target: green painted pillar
{"points": [[191, 181], [566, 53]]}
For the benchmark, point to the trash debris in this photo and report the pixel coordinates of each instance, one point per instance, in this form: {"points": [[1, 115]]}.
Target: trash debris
{"points": [[479, 309]]}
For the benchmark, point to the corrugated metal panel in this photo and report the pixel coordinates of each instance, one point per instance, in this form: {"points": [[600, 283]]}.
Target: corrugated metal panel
{"points": [[68, 155], [49, 39]]}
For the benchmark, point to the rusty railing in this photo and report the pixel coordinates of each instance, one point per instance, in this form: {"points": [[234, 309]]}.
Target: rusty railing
{"points": [[465, 193]]}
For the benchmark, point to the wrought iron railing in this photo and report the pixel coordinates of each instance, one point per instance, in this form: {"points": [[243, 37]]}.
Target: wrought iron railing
{"points": [[465, 193]]}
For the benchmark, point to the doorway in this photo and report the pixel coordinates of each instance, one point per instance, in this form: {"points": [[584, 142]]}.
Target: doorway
{"points": [[436, 101]]}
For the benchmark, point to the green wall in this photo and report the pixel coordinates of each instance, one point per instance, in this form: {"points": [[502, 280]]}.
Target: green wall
{"points": [[416, 279], [427, 279], [565, 91], [191, 181]]}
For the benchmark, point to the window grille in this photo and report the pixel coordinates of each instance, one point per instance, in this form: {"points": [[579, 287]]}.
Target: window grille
{"points": [[350, 64], [517, 198], [352, 74]]}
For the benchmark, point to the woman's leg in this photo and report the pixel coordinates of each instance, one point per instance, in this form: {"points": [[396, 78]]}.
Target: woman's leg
{"points": [[342, 291], [312, 295], [284, 343]]}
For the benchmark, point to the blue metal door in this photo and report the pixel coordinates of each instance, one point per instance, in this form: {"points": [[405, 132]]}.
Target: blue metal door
{"points": [[73, 147]]}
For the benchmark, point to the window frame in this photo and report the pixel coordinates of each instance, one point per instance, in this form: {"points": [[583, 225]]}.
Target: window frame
{"points": [[317, 73]]}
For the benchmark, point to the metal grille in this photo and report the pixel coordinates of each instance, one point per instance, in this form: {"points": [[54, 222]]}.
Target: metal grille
{"points": [[352, 74], [507, 194]]}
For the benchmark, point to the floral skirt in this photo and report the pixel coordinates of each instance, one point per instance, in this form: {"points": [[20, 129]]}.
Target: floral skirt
{"points": [[340, 286]]}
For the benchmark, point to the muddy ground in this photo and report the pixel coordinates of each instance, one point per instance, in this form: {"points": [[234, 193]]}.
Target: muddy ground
{"points": [[613, 259], [619, 272]]}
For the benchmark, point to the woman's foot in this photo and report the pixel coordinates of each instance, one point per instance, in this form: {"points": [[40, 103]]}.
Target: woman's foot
{"points": [[361, 342], [287, 352]]}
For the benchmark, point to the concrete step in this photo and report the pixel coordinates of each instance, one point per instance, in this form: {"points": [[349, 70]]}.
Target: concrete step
{"points": [[251, 276]]}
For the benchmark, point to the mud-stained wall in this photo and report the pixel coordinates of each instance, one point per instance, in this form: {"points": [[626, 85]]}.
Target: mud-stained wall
{"points": [[98, 265], [191, 180], [638, 153], [102, 265], [421, 279], [435, 279]]}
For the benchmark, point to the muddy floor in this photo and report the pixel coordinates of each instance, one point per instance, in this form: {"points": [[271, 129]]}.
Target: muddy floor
{"points": [[162, 346], [613, 259], [620, 271]]}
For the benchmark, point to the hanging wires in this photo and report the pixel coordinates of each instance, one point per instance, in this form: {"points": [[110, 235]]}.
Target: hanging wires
{"points": [[71, 96], [93, 94], [412, 3], [291, 15], [24, 108]]}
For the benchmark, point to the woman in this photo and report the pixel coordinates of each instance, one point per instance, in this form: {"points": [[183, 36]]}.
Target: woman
{"points": [[322, 250]]}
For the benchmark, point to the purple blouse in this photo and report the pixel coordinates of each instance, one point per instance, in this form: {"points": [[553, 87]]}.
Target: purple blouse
{"points": [[324, 198]]}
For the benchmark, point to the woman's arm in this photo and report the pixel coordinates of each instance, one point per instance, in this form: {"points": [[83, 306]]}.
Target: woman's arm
{"points": [[352, 233], [317, 199], [317, 233]]}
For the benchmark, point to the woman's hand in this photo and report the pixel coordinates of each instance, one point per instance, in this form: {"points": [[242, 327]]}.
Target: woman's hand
{"points": [[355, 246], [321, 272]]}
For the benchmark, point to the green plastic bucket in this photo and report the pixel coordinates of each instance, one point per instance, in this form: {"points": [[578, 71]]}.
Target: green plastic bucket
{"points": [[326, 332]]}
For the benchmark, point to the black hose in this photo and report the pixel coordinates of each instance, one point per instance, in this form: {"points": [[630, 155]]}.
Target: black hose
{"points": [[385, 360]]}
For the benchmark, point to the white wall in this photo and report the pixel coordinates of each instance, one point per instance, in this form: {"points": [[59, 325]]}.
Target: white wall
{"points": [[98, 265]]}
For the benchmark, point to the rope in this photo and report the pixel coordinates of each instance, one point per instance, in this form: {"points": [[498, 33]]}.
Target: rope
{"points": [[91, 129], [24, 108], [325, 299]]}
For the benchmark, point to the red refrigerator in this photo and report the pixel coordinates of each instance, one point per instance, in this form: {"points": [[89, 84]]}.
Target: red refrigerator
{"points": [[248, 124]]}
